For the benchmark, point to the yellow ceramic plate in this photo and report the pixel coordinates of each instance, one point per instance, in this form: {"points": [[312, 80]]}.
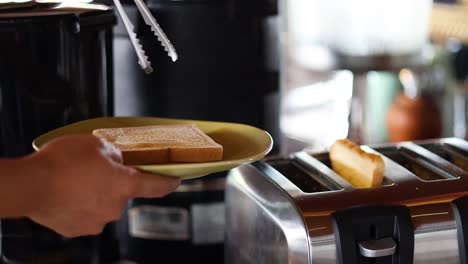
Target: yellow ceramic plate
{"points": [[242, 143]]}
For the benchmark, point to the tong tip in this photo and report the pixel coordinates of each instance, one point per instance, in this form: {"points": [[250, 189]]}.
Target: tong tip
{"points": [[148, 69], [174, 56]]}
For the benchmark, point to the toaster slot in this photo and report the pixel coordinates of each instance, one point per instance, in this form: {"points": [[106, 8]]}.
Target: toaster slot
{"points": [[419, 166], [454, 155], [325, 159], [462, 152], [305, 179]]}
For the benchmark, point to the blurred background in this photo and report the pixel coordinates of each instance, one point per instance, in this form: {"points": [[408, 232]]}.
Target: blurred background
{"points": [[307, 71], [373, 71]]}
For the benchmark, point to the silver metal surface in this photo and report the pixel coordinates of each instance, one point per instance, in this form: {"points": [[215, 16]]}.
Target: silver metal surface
{"points": [[145, 64], [377, 248], [158, 32], [271, 219], [262, 223], [436, 246]]}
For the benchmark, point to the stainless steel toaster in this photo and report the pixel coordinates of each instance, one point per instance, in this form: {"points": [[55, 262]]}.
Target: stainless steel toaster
{"points": [[296, 209]]}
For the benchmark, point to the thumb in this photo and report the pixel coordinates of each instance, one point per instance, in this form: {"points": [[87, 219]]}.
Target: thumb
{"points": [[111, 151], [153, 186]]}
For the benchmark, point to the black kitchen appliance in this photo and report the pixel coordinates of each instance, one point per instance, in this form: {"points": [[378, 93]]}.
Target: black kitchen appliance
{"points": [[227, 71], [54, 70]]}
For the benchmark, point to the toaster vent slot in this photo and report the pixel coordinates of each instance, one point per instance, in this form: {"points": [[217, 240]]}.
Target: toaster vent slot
{"points": [[302, 178], [454, 155], [462, 152], [325, 159], [419, 166]]}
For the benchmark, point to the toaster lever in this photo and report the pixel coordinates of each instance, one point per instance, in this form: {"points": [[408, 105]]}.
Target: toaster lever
{"points": [[371, 234], [377, 248]]}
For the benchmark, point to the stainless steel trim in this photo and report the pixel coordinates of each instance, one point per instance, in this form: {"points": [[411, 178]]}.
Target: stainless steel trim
{"points": [[393, 171], [312, 162], [377, 248], [278, 178], [457, 142], [251, 198], [435, 159]]}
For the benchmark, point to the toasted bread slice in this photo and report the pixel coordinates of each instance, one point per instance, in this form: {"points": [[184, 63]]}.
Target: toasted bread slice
{"points": [[359, 168], [162, 144]]}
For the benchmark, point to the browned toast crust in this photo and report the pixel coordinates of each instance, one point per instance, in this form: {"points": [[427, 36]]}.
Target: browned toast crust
{"points": [[361, 169], [162, 144]]}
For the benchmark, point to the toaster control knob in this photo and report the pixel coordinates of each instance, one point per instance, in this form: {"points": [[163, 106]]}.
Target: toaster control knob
{"points": [[377, 248]]}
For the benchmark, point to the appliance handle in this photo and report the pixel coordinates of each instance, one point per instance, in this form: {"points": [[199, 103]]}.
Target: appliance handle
{"points": [[377, 248]]}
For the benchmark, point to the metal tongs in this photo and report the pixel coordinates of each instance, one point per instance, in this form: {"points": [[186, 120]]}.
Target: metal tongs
{"points": [[151, 21]]}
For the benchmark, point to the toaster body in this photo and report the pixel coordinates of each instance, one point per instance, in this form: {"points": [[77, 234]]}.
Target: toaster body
{"points": [[296, 209]]}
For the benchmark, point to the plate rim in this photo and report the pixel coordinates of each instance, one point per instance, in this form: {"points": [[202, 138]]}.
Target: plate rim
{"points": [[169, 166]]}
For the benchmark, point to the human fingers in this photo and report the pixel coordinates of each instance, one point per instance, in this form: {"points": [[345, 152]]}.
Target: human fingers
{"points": [[152, 186], [111, 151]]}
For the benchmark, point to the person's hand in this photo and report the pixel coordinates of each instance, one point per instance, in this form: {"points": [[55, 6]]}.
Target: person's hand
{"points": [[79, 185]]}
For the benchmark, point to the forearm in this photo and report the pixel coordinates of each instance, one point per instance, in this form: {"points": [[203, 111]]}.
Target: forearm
{"points": [[17, 186]]}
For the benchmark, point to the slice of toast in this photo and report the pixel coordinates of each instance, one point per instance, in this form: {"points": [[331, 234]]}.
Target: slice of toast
{"points": [[361, 169], [162, 144]]}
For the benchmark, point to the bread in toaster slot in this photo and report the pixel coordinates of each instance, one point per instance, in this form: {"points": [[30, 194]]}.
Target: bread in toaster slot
{"points": [[361, 169]]}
